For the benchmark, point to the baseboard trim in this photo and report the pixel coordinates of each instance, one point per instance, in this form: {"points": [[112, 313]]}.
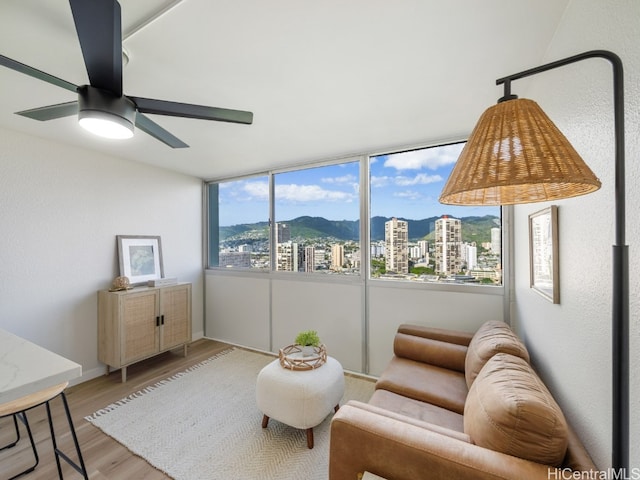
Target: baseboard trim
{"points": [[101, 370]]}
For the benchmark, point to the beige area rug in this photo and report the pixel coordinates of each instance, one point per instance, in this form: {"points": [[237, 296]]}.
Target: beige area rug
{"points": [[203, 424]]}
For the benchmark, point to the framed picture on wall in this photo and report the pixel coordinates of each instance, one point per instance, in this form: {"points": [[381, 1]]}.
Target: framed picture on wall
{"points": [[140, 258], [543, 253]]}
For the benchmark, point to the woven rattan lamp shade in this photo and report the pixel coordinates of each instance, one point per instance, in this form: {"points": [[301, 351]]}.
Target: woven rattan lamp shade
{"points": [[516, 154]]}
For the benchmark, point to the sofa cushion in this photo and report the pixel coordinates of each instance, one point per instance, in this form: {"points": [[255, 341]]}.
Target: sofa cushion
{"points": [[510, 410], [492, 337], [423, 411], [427, 383], [432, 427]]}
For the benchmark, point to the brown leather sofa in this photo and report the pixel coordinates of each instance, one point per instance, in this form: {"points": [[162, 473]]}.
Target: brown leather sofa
{"points": [[454, 405]]}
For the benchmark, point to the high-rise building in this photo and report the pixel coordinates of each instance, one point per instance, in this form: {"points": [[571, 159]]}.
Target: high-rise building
{"points": [[354, 259], [448, 245], [287, 257], [337, 257], [414, 252], [471, 256], [377, 249], [321, 260], [283, 233], [396, 238], [496, 240], [309, 259], [286, 250], [424, 249]]}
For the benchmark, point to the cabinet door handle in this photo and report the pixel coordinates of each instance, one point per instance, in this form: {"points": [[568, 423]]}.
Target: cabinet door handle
{"points": [[161, 319], [157, 321]]}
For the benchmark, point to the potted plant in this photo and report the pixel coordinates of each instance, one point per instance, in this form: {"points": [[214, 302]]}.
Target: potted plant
{"points": [[307, 340]]}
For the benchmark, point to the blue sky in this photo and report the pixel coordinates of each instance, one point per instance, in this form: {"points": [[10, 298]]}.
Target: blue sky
{"points": [[405, 184]]}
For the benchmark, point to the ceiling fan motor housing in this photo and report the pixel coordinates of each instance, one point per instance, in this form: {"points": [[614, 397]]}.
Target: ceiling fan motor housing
{"points": [[95, 103]]}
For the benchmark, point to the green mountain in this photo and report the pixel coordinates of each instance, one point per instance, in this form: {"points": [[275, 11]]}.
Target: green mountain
{"points": [[478, 229], [240, 233], [315, 227], [418, 229], [474, 229]]}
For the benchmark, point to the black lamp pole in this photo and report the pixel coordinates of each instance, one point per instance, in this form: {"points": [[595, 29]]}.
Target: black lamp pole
{"points": [[620, 313]]}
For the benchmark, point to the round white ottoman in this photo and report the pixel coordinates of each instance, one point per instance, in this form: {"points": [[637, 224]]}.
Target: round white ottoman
{"points": [[299, 398]]}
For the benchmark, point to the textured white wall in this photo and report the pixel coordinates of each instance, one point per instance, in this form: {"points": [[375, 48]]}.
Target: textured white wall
{"points": [[571, 342], [60, 210]]}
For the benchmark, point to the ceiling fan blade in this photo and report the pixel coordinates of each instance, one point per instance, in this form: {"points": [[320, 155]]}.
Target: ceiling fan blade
{"points": [[187, 110], [51, 112], [35, 73], [99, 29], [152, 128]]}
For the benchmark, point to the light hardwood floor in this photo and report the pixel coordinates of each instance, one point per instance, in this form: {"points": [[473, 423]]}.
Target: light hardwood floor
{"points": [[104, 457]]}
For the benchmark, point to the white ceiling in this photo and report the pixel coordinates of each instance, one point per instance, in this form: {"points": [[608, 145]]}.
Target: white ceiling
{"points": [[323, 78]]}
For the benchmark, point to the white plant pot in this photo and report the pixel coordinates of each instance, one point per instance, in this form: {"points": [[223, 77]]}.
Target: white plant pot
{"points": [[308, 350]]}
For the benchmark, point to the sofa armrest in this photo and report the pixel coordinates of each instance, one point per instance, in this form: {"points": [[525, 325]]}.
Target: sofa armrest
{"points": [[434, 352], [362, 440], [441, 334]]}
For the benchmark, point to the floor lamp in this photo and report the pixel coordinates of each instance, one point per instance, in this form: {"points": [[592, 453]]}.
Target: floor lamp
{"points": [[516, 154]]}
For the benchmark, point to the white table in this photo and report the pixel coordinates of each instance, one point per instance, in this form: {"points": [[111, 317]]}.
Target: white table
{"points": [[26, 368], [31, 376]]}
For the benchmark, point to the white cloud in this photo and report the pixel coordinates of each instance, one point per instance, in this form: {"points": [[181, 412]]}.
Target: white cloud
{"points": [[404, 181], [297, 193], [431, 158], [420, 179], [380, 181], [311, 193], [338, 180], [408, 194], [258, 190]]}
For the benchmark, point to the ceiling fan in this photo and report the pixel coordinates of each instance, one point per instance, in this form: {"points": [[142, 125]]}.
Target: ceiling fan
{"points": [[101, 106]]}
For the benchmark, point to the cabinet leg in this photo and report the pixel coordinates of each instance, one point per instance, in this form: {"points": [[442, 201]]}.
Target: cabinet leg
{"points": [[185, 350], [123, 372], [106, 370]]}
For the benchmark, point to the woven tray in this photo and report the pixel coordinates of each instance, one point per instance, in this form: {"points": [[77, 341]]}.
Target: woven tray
{"points": [[291, 358]]}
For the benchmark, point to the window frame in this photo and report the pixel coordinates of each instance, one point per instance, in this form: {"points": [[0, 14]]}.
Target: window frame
{"points": [[337, 161], [207, 222], [506, 215], [364, 276]]}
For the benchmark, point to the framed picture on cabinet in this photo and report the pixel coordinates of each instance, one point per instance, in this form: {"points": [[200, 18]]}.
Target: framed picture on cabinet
{"points": [[140, 258], [543, 253]]}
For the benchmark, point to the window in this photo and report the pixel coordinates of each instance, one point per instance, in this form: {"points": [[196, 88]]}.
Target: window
{"points": [[414, 237], [315, 227], [317, 211], [238, 232]]}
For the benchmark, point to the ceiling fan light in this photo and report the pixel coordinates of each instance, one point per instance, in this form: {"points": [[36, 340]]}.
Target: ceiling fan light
{"points": [[104, 114], [105, 125]]}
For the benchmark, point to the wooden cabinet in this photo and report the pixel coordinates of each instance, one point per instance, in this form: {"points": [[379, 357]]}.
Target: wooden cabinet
{"points": [[142, 322]]}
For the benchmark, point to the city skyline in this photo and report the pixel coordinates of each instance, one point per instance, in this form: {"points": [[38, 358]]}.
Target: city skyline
{"points": [[405, 184], [446, 258]]}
